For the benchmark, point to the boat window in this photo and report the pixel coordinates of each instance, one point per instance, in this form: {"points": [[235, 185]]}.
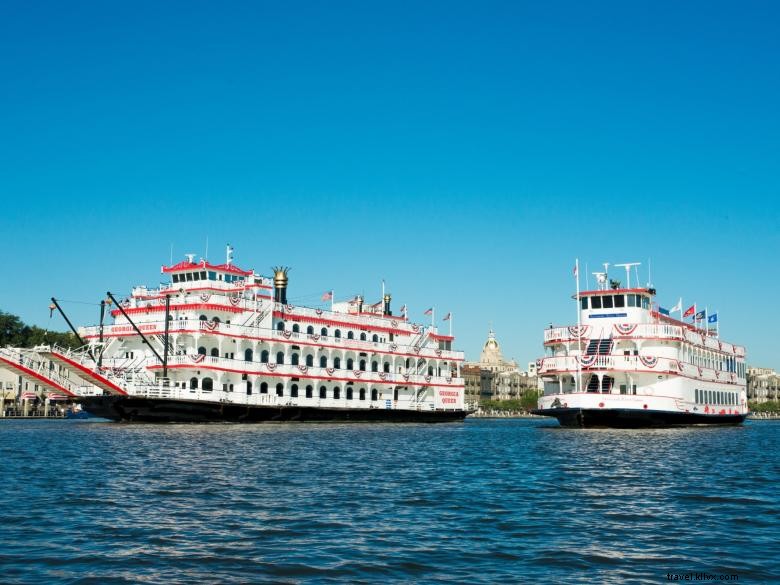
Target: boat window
{"points": [[324, 332], [623, 389], [374, 366], [175, 278], [337, 392], [280, 326], [696, 393], [203, 275], [212, 275], [208, 384], [362, 337], [620, 301], [337, 363], [248, 355], [264, 356], [280, 357], [294, 359], [193, 383], [375, 338], [214, 352], [350, 335], [606, 302], [296, 328], [323, 392], [203, 318], [196, 275], [645, 303], [632, 300], [395, 394], [362, 394], [337, 334], [363, 365], [387, 367], [280, 390], [349, 393], [374, 394], [264, 388], [595, 302], [310, 360], [323, 361], [309, 392], [189, 276], [350, 364], [202, 350], [584, 302], [294, 391]]}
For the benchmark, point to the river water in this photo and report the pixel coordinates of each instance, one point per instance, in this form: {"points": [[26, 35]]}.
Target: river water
{"points": [[480, 501]]}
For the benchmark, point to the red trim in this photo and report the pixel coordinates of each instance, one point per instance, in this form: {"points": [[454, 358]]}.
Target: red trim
{"points": [[93, 375], [28, 372], [597, 293], [442, 337], [226, 292], [185, 265], [654, 371], [185, 307], [280, 375]]}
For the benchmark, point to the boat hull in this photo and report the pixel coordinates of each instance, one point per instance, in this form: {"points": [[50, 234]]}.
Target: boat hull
{"points": [[632, 418], [141, 409]]}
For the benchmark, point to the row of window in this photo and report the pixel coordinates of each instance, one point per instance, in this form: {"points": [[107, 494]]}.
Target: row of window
{"points": [[309, 360], [615, 301], [204, 275], [207, 384], [716, 397], [280, 326]]}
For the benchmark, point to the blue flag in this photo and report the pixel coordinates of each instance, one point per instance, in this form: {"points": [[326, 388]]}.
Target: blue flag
{"points": [[663, 311], [699, 316], [712, 318]]}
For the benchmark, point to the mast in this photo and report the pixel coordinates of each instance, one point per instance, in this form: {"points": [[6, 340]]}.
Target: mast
{"points": [[72, 328], [579, 325]]}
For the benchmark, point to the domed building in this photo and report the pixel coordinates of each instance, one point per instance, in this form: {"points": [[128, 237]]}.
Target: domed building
{"points": [[493, 377], [492, 358]]}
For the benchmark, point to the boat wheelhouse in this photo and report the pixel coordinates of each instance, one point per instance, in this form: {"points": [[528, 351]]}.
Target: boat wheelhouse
{"points": [[628, 363], [221, 343]]}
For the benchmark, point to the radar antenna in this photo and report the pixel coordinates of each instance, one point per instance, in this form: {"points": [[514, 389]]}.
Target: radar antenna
{"points": [[628, 266]]}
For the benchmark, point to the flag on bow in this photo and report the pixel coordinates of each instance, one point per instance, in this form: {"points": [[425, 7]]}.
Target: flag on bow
{"points": [[689, 311], [429, 311], [328, 296], [699, 316], [712, 318]]}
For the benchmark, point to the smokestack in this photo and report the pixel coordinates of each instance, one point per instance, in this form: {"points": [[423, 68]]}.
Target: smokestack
{"points": [[387, 305], [280, 284], [360, 303]]}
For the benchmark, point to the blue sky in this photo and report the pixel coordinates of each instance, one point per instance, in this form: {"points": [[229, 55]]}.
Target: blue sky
{"points": [[466, 153]]}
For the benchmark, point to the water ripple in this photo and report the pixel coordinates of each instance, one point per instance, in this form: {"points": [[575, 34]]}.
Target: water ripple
{"points": [[477, 502]]}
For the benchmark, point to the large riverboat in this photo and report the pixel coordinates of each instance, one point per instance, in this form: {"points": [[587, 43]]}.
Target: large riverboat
{"points": [[220, 343], [628, 363]]}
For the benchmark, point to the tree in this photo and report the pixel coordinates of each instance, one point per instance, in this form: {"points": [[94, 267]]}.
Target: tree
{"points": [[15, 333]]}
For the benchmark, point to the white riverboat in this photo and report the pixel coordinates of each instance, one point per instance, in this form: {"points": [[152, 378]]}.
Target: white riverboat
{"points": [[219, 343], [629, 363]]}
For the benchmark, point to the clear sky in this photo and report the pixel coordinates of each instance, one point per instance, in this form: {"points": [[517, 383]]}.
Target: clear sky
{"points": [[466, 153]]}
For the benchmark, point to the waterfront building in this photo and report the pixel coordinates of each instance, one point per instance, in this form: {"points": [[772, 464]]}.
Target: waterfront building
{"points": [[763, 384]]}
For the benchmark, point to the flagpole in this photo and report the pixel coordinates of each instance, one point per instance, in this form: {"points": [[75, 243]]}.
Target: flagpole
{"points": [[332, 299], [433, 316], [579, 327], [450, 324]]}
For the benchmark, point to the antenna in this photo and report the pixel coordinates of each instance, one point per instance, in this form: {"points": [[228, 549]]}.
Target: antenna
{"points": [[171, 254], [601, 280], [628, 266], [206, 257], [229, 255], [649, 277], [606, 271]]}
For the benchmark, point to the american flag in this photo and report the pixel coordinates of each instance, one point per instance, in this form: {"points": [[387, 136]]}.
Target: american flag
{"points": [[403, 310], [429, 311], [447, 317], [328, 296]]}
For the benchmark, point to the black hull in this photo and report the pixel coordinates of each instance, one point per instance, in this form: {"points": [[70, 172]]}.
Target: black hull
{"points": [[635, 419], [138, 409]]}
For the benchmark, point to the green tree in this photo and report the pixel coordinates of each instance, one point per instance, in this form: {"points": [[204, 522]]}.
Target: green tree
{"points": [[15, 333]]}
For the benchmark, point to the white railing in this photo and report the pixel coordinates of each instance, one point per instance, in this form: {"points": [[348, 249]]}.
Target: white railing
{"points": [[640, 331], [660, 365]]}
